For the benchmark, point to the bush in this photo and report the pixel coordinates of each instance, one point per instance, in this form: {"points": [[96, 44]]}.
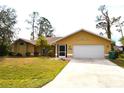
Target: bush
{"points": [[19, 54], [121, 56], [11, 53], [36, 53], [3, 50], [51, 53], [28, 54], [116, 54]]}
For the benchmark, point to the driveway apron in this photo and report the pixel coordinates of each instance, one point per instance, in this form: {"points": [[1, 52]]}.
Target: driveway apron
{"points": [[89, 73]]}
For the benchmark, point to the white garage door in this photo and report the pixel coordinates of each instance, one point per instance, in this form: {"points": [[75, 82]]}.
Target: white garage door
{"points": [[88, 51]]}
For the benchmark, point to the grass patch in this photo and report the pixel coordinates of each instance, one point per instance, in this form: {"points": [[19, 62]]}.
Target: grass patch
{"points": [[28, 72], [119, 62]]}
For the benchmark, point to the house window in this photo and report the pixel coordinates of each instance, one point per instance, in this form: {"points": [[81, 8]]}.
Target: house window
{"points": [[21, 43]]}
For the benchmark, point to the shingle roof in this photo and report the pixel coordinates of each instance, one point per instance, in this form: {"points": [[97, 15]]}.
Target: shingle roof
{"points": [[33, 42], [50, 40]]}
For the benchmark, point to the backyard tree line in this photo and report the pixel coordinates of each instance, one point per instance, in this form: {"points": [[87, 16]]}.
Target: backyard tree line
{"points": [[40, 26]]}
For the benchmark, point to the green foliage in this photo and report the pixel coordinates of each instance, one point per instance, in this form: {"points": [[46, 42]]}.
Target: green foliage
{"points": [[28, 54], [119, 62], [28, 72], [41, 42], [39, 26], [122, 40], [119, 25], [51, 53], [7, 30], [105, 22], [45, 27], [19, 55], [121, 56], [113, 43], [12, 54], [33, 22], [3, 50]]}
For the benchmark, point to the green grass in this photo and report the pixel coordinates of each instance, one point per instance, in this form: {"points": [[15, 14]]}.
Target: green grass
{"points": [[28, 72], [119, 62]]}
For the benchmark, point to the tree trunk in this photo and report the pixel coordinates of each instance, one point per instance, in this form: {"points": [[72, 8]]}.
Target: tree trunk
{"points": [[33, 29], [108, 29]]}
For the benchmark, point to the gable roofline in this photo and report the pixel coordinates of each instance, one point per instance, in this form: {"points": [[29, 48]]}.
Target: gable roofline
{"points": [[33, 42], [83, 31], [27, 41]]}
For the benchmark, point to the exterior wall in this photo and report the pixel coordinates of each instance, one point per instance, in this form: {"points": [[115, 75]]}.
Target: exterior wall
{"points": [[84, 38], [37, 49], [30, 48], [26, 47]]}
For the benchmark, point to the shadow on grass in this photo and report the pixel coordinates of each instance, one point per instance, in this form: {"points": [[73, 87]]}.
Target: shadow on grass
{"points": [[1, 58]]}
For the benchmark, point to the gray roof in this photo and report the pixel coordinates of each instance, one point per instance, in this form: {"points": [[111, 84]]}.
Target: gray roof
{"points": [[50, 40], [33, 42]]}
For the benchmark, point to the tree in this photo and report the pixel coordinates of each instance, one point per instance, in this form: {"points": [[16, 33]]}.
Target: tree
{"points": [[40, 26], [113, 44], [42, 43], [33, 22], [119, 25], [45, 27], [104, 21], [122, 40], [7, 32]]}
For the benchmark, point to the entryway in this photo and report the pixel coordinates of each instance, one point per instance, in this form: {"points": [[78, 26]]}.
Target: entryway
{"points": [[62, 51]]}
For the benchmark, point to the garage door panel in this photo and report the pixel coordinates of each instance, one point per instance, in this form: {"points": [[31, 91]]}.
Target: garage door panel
{"points": [[88, 51]]}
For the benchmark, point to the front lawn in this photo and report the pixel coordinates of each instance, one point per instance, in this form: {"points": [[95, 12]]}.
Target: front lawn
{"points": [[28, 72], [119, 62]]}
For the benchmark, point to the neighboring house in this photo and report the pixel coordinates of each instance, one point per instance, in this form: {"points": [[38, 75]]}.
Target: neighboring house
{"points": [[82, 44], [119, 48], [23, 46]]}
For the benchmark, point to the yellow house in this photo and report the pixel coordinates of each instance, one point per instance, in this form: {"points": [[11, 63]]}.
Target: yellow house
{"points": [[82, 44], [23, 46]]}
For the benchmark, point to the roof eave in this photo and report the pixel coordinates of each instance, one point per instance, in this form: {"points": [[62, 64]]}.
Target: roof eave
{"points": [[79, 31]]}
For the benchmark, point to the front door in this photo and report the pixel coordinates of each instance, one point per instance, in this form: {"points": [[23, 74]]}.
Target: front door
{"points": [[62, 51]]}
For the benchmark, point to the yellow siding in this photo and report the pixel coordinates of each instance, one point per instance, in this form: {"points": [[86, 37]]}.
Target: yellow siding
{"points": [[26, 47], [30, 48], [84, 38]]}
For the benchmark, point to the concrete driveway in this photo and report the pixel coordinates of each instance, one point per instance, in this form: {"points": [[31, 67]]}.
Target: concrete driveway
{"points": [[89, 73]]}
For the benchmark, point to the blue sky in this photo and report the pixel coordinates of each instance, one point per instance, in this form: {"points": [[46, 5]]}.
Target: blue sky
{"points": [[66, 16]]}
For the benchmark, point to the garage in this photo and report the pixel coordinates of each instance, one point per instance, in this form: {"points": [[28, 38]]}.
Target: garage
{"points": [[83, 44], [88, 51]]}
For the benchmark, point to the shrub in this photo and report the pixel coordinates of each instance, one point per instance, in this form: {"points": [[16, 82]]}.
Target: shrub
{"points": [[28, 54], [19, 54], [11, 53], [116, 54], [51, 53], [36, 53], [3, 50]]}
